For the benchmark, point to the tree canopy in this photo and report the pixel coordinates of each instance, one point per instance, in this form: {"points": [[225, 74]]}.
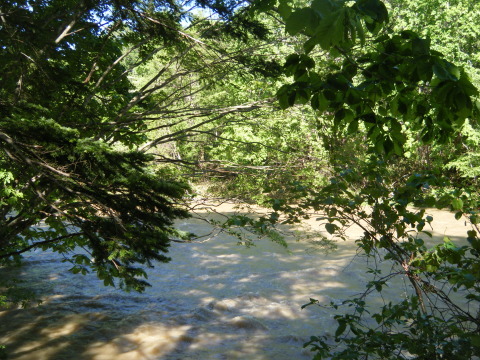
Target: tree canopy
{"points": [[391, 85], [380, 78], [75, 170]]}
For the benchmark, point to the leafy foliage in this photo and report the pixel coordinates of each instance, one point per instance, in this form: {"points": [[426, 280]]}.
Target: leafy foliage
{"points": [[451, 27], [388, 84], [437, 316], [60, 158], [396, 80], [221, 125], [76, 170]]}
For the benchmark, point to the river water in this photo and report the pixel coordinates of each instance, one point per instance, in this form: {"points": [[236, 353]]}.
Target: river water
{"points": [[214, 300]]}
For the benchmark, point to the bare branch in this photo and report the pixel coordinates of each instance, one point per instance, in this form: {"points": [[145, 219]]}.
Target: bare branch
{"points": [[65, 31], [233, 109]]}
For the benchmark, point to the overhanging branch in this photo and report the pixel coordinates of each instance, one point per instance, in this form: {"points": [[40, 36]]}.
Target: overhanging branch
{"points": [[40, 243]]}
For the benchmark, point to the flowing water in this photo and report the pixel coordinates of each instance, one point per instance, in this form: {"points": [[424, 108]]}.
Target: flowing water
{"points": [[214, 300]]}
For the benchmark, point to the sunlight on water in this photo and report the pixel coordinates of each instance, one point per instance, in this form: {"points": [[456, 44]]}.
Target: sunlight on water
{"points": [[145, 342], [215, 300]]}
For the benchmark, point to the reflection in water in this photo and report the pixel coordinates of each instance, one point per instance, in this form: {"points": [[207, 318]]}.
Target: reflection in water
{"points": [[215, 300]]}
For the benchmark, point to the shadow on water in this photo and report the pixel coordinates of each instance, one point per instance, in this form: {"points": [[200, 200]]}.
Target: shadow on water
{"points": [[215, 300]]}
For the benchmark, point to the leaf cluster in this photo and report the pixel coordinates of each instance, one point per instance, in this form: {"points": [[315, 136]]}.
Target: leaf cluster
{"points": [[393, 82], [437, 319], [77, 174]]}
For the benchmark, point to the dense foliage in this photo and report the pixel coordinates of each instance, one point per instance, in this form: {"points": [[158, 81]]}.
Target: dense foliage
{"points": [[76, 171], [389, 84]]}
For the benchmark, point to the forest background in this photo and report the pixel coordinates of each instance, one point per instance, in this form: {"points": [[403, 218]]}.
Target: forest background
{"points": [[114, 112]]}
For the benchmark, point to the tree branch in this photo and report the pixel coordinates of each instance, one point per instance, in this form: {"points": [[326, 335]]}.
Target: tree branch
{"points": [[18, 252]]}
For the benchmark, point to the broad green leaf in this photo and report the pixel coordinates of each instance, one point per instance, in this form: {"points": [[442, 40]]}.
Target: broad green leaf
{"points": [[307, 61], [424, 70], [301, 96], [339, 116], [284, 9], [352, 127], [360, 32], [283, 101], [299, 20], [349, 116], [301, 74], [475, 340], [445, 70], [321, 102], [467, 86], [309, 44], [375, 9], [325, 7], [420, 46], [388, 145], [457, 204], [338, 28], [331, 228]]}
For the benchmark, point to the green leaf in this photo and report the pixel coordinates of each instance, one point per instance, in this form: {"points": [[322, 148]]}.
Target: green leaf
{"points": [[342, 325], [301, 97], [427, 136], [374, 9], [283, 101], [284, 9], [424, 70], [360, 32], [420, 46], [291, 64], [402, 106], [338, 29], [467, 86], [300, 74], [321, 102], [307, 61], [388, 145], [299, 20], [475, 339], [398, 148], [331, 228], [75, 270], [309, 45], [457, 204], [339, 116], [353, 127], [325, 7], [445, 70]]}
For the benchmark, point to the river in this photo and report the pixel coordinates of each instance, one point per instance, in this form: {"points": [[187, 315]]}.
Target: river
{"points": [[214, 300]]}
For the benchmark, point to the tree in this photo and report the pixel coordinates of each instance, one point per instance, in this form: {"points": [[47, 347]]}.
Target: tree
{"points": [[387, 83], [75, 171], [452, 32]]}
